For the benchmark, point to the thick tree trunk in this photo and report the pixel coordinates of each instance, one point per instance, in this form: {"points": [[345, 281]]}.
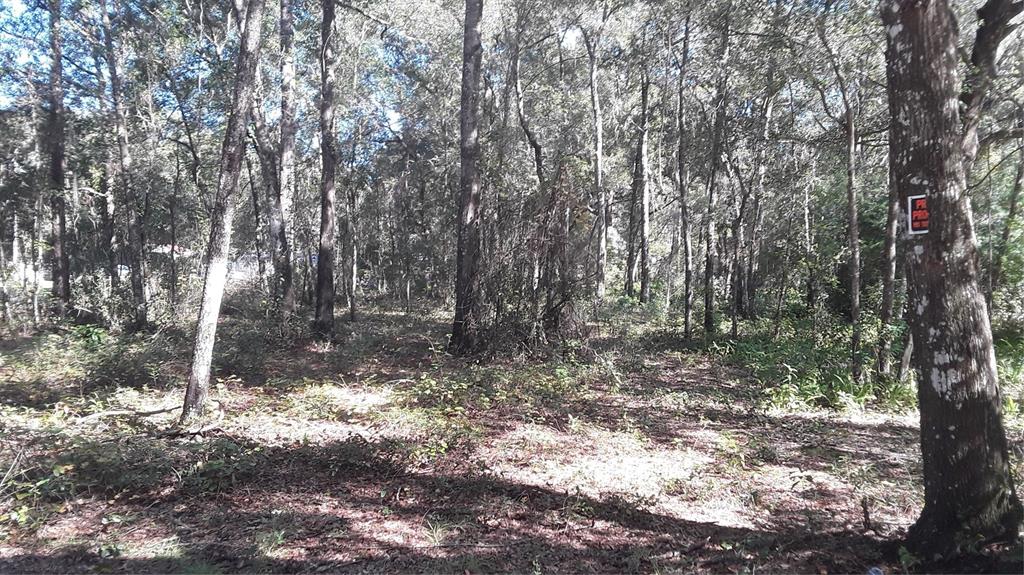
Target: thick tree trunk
{"points": [[466, 325], [219, 246], [324, 322], [281, 206], [969, 491], [61, 261]]}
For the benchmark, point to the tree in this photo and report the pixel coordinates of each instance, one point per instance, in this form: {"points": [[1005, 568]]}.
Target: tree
{"points": [[324, 322], [467, 324], [56, 137], [970, 495], [124, 170], [717, 136], [219, 245], [280, 221]]}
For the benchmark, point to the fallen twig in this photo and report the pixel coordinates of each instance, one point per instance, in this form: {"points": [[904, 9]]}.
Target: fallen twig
{"points": [[133, 413]]}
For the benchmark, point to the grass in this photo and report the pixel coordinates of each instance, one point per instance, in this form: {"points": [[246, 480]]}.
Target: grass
{"points": [[381, 452]]}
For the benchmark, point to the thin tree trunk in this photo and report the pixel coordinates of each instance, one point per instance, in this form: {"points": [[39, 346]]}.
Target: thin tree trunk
{"points": [[124, 173], [969, 496], [219, 246], [324, 322], [466, 325], [721, 97], [683, 181], [281, 207], [884, 359], [61, 260], [603, 209], [645, 195], [853, 235]]}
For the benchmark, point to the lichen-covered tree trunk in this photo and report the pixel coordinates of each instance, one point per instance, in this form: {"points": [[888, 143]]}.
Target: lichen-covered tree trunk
{"points": [[219, 246], [324, 321], [969, 492], [466, 325]]}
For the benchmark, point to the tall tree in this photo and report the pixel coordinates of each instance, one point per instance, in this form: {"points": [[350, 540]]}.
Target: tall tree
{"points": [[466, 326], [280, 220], [683, 183], [644, 187], [970, 495], [717, 137], [324, 322], [56, 140], [592, 42], [124, 171], [847, 120], [219, 246]]}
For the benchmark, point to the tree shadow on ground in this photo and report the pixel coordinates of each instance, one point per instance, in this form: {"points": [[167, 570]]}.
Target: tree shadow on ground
{"points": [[356, 505]]}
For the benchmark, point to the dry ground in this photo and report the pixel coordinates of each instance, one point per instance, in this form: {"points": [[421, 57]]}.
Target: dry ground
{"points": [[382, 454]]}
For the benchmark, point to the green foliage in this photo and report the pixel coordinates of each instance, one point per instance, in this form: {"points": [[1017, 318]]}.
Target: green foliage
{"points": [[806, 367]]}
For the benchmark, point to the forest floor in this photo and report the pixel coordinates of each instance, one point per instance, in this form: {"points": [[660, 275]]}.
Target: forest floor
{"points": [[380, 453]]}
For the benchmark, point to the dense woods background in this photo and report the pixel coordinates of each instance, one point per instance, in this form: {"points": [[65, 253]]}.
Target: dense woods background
{"points": [[578, 185]]}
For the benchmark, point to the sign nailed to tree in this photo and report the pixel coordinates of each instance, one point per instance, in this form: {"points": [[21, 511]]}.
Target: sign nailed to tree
{"points": [[917, 214]]}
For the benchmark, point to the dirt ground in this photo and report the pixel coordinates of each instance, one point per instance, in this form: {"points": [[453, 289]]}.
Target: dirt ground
{"points": [[382, 454]]}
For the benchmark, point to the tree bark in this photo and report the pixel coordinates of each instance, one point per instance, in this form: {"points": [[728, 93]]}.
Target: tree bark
{"points": [[466, 325], [219, 246], [970, 496], [324, 322]]}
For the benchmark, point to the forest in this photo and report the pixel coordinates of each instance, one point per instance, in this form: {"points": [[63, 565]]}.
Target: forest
{"points": [[478, 286]]}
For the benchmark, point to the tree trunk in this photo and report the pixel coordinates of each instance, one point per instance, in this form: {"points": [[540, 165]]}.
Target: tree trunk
{"points": [[593, 47], [61, 261], [683, 181], [721, 96], [281, 206], [969, 492], [466, 325], [219, 246], [884, 359], [324, 322], [124, 173], [853, 237], [645, 195]]}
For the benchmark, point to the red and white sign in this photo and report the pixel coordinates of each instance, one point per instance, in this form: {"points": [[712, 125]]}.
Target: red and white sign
{"points": [[917, 214]]}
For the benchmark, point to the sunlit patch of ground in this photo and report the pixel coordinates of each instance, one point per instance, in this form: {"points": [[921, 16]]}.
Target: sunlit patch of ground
{"points": [[380, 453]]}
